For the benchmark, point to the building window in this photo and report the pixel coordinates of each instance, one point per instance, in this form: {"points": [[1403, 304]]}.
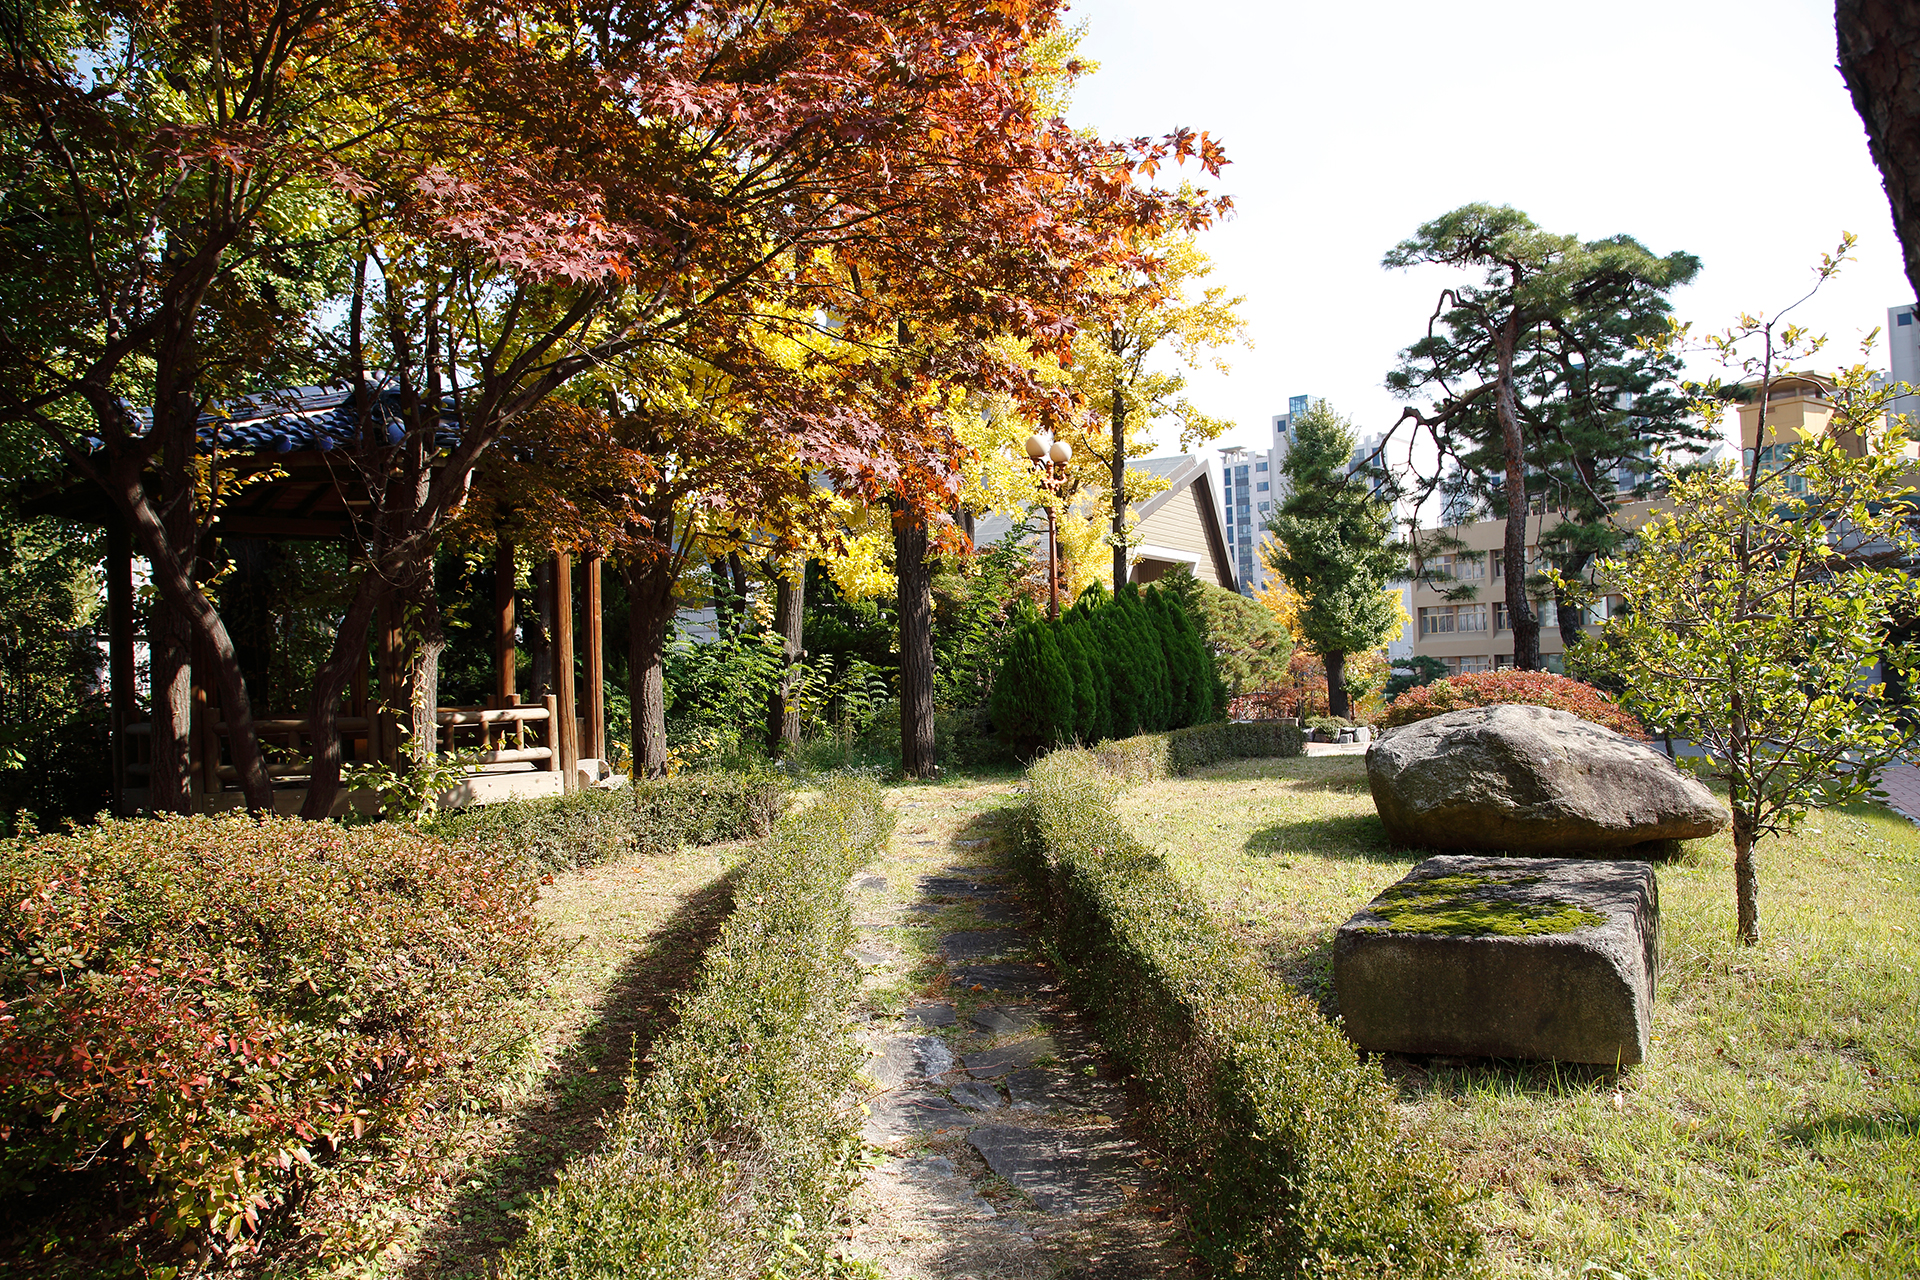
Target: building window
{"points": [[1475, 664], [1502, 662], [1264, 506], [1261, 487], [1448, 619], [1437, 622], [1470, 617], [1260, 466], [1466, 564], [1904, 319], [1500, 618]]}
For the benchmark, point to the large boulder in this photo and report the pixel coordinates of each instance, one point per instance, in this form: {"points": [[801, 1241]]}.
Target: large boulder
{"points": [[1547, 958], [1528, 780]]}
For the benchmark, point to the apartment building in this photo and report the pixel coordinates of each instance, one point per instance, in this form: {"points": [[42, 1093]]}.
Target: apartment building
{"points": [[1250, 489], [1475, 634]]}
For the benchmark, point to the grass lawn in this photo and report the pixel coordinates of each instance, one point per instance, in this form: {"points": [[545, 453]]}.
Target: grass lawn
{"points": [[1774, 1130], [632, 934]]}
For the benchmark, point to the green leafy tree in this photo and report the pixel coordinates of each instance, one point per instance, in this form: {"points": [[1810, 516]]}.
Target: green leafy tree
{"points": [[1759, 598], [1334, 548], [1245, 647], [1526, 369]]}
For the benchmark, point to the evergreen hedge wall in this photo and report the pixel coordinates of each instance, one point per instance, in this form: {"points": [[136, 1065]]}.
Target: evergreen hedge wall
{"points": [[1114, 665]]}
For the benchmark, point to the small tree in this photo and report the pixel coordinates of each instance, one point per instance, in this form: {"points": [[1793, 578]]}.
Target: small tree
{"points": [[1759, 601], [1333, 546]]}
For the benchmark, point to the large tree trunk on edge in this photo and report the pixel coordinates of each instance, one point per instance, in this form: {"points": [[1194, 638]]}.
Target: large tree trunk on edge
{"points": [[783, 714], [649, 613], [1338, 703], [916, 643], [1879, 46]]}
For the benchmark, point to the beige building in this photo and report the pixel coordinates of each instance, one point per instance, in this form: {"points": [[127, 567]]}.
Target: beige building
{"points": [[1179, 525], [1474, 635]]}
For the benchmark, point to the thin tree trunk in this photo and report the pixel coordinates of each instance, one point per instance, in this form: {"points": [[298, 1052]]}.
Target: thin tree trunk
{"points": [[1879, 46], [1119, 481], [1572, 621], [916, 643], [1338, 704], [1746, 878], [649, 584], [329, 682], [783, 713], [171, 718], [423, 681], [1520, 615]]}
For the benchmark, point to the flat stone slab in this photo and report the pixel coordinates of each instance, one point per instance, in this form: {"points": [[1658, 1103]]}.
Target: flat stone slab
{"points": [[899, 1060], [1544, 958], [1063, 1091], [958, 887], [1005, 1019], [932, 1015], [977, 1094], [870, 881], [1530, 780], [904, 1115], [1003, 979], [943, 1191], [1024, 1053], [1064, 1170], [982, 944], [999, 912]]}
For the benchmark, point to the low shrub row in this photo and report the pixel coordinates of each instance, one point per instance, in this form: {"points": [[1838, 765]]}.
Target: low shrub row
{"points": [[735, 1155], [1168, 755], [1531, 688], [1293, 1158], [655, 816], [207, 1021]]}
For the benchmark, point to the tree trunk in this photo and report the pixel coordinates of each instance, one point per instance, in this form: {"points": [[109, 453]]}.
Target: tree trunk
{"points": [[423, 680], [1338, 703], [783, 713], [1879, 44], [171, 712], [349, 654], [1119, 481], [649, 613], [1572, 621], [737, 584], [916, 644], [1746, 878], [1520, 615]]}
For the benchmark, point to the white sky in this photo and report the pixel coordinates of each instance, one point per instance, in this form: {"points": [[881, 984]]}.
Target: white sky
{"points": [[1722, 129]]}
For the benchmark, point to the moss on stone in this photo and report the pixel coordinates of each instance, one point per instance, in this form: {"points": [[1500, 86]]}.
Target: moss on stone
{"points": [[1477, 905]]}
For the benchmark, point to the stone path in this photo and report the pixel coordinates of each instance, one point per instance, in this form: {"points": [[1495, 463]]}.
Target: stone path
{"points": [[1005, 1146]]}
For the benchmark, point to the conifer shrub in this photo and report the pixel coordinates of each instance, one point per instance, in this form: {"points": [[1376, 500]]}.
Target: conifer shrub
{"points": [[210, 1020], [1531, 688], [1089, 704], [735, 1155], [1289, 1149], [654, 816]]}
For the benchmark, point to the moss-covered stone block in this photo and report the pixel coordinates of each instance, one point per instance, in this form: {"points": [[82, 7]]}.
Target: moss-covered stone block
{"points": [[1547, 958]]}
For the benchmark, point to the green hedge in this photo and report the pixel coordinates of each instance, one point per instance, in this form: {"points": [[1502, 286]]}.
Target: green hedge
{"points": [[1290, 1149], [1151, 756], [655, 816], [735, 1156]]}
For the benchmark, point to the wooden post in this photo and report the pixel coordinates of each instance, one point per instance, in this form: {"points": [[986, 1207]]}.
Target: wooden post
{"points": [[505, 682], [553, 731], [120, 654], [568, 732], [596, 667]]}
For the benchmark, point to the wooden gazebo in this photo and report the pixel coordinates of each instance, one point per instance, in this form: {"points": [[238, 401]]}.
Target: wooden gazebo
{"points": [[510, 748]]}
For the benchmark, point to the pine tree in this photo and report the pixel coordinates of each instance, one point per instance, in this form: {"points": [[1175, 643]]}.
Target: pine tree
{"points": [[1053, 690], [1179, 670], [1032, 705], [1332, 546], [1157, 705], [1088, 704]]}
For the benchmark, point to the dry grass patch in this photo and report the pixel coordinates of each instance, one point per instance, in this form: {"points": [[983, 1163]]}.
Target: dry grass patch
{"points": [[1775, 1131]]}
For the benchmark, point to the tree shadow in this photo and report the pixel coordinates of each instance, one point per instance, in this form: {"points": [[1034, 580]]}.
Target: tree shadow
{"points": [[1422, 1076], [567, 1114], [1358, 837], [1869, 1128]]}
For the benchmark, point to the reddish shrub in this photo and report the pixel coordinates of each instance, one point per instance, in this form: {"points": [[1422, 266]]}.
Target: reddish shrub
{"points": [[1534, 688], [219, 1009]]}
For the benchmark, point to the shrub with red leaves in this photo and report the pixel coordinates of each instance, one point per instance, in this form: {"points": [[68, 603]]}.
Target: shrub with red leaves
{"points": [[215, 1010], [1534, 688]]}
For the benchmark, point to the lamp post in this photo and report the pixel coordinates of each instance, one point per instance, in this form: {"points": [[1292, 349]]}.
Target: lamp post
{"points": [[1050, 459]]}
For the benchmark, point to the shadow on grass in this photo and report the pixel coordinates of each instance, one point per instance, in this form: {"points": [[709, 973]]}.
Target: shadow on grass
{"points": [[1866, 1128], [1421, 1076], [584, 1089], [1358, 836]]}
